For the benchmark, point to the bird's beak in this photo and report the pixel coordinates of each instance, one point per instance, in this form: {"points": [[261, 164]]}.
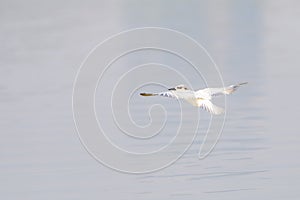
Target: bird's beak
{"points": [[171, 89]]}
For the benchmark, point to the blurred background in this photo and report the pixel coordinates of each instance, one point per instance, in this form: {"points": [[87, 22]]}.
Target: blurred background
{"points": [[43, 43]]}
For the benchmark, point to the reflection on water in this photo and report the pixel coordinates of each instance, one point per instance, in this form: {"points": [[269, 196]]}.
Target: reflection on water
{"points": [[42, 47]]}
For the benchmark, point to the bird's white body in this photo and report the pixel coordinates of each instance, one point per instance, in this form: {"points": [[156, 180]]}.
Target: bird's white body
{"points": [[200, 98]]}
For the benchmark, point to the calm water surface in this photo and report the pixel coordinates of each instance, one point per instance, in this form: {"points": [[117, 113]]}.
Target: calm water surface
{"points": [[42, 46]]}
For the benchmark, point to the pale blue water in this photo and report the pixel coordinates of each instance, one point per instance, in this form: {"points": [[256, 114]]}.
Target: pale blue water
{"points": [[42, 46]]}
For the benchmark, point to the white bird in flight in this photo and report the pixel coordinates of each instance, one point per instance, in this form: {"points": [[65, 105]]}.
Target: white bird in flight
{"points": [[200, 98]]}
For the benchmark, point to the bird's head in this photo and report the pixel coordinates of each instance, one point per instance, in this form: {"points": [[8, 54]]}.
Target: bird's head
{"points": [[179, 88]]}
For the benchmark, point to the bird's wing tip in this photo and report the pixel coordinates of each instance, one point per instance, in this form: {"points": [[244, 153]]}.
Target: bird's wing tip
{"points": [[244, 83]]}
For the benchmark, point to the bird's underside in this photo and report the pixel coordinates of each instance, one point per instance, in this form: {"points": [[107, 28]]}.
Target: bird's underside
{"points": [[200, 98]]}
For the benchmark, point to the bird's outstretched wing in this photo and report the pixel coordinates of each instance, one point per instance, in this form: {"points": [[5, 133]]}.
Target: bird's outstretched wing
{"points": [[210, 107], [218, 91], [163, 94]]}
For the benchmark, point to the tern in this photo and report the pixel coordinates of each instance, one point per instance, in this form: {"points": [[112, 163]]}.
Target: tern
{"points": [[199, 98]]}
